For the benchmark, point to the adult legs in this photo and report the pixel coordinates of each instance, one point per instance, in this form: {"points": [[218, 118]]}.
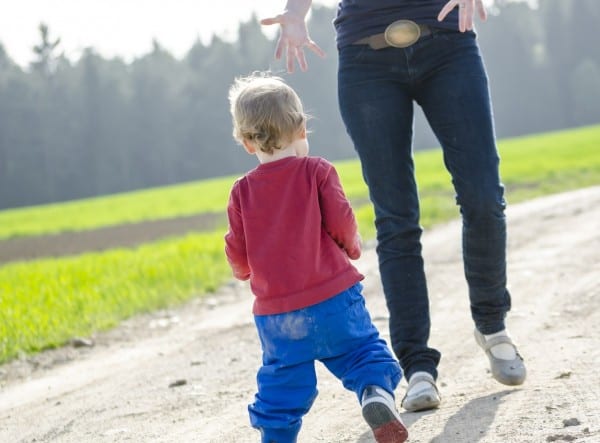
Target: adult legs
{"points": [[457, 105], [377, 109]]}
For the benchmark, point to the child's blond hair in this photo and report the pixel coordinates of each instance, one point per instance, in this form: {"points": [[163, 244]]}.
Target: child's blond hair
{"points": [[265, 111]]}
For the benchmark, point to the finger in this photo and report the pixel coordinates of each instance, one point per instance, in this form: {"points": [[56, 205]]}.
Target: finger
{"points": [[462, 16], [469, 15], [315, 48], [481, 10], [291, 55], [279, 48], [271, 20], [446, 10], [301, 59]]}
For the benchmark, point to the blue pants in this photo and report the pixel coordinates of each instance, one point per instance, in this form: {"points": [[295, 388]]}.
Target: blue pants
{"points": [[444, 74], [339, 333]]}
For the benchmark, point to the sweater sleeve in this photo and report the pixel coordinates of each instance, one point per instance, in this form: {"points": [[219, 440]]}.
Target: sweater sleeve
{"points": [[235, 243], [338, 217]]}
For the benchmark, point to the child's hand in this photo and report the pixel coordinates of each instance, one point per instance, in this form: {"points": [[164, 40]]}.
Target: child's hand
{"points": [[355, 251]]}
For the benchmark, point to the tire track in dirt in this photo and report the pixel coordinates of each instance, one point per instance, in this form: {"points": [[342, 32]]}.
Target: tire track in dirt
{"points": [[121, 236]]}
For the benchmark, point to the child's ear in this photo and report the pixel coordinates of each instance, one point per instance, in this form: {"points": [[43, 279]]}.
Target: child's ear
{"points": [[302, 133], [249, 146]]}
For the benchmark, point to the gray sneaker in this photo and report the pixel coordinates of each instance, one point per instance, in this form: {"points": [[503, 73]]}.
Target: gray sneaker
{"points": [[508, 372], [380, 413], [421, 398]]}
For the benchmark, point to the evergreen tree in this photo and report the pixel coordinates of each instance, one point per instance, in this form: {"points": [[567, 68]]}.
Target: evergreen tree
{"points": [[95, 126], [45, 52]]}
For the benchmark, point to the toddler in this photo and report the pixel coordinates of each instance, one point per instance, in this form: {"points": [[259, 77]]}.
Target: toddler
{"points": [[292, 233]]}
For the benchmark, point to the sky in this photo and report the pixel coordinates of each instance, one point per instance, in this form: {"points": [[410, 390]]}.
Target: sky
{"points": [[126, 28]]}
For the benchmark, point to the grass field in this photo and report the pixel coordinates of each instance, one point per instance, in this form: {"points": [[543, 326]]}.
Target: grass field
{"points": [[532, 165], [44, 303], [131, 207]]}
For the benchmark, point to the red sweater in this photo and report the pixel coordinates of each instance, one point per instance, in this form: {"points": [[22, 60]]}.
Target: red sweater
{"points": [[292, 232]]}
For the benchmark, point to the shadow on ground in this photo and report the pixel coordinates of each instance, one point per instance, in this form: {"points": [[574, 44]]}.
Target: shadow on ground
{"points": [[469, 424]]}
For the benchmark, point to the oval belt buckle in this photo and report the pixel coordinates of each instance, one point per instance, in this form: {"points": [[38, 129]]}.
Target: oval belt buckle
{"points": [[402, 33]]}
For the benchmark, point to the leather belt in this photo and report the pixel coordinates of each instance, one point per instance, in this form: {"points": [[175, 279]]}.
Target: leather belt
{"points": [[400, 34]]}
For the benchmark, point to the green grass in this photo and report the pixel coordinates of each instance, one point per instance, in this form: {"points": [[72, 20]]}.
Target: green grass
{"points": [[531, 166], [552, 162], [44, 303], [131, 207]]}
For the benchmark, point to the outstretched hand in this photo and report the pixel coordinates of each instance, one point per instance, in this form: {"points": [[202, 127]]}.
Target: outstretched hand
{"points": [[466, 11], [293, 38]]}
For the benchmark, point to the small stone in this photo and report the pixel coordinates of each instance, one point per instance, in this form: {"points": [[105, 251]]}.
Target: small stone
{"points": [[564, 374], [80, 342], [558, 437], [178, 383], [571, 422]]}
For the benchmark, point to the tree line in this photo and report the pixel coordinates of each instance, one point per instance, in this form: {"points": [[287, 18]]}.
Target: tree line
{"points": [[76, 129]]}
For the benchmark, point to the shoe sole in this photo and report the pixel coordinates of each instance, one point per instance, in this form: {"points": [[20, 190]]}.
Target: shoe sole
{"points": [[386, 426]]}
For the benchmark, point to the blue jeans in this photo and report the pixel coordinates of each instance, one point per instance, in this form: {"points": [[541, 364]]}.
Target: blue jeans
{"points": [[339, 333], [445, 75]]}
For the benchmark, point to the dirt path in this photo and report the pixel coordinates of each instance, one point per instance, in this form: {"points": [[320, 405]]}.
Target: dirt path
{"points": [[186, 375]]}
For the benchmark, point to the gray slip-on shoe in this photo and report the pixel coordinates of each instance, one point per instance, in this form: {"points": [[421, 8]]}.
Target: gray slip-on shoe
{"points": [[423, 398], [508, 372]]}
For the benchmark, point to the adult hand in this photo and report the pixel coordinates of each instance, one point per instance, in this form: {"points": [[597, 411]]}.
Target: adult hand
{"points": [[293, 38], [466, 10]]}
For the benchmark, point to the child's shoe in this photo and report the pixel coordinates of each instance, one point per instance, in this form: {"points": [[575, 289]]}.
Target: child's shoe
{"points": [[379, 411]]}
